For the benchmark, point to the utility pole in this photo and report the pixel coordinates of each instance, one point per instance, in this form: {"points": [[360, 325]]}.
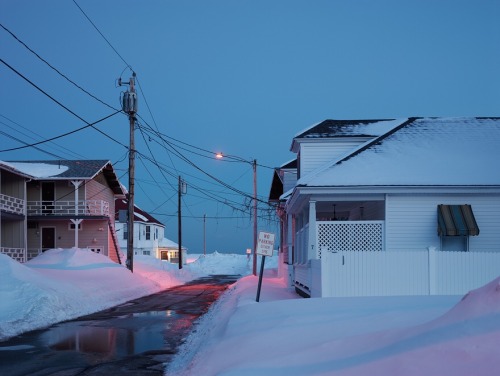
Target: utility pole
{"points": [[182, 190], [129, 105], [254, 217]]}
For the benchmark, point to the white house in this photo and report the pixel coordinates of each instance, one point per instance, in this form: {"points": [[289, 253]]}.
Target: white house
{"points": [[392, 207], [149, 234]]}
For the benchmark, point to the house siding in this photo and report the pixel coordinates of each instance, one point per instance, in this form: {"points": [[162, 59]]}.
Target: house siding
{"points": [[411, 221], [289, 180], [97, 191], [314, 154]]}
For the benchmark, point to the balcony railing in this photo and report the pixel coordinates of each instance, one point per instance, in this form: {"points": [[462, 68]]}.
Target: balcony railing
{"points": [[68, 208], [11, 204]]}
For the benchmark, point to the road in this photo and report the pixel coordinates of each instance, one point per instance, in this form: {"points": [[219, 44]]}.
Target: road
{"points": [[135, 338]]}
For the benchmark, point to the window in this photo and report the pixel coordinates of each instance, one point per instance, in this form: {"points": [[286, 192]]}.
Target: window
{"points": [[148, 232], [125, 233], [147, 253], [72, 226]]}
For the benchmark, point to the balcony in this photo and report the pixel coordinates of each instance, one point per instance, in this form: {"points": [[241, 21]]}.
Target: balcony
{"points": [[82, 208], [11, 204]]}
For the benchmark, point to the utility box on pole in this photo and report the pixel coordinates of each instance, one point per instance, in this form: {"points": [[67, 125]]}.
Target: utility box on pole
{"points": [[129, 106]]}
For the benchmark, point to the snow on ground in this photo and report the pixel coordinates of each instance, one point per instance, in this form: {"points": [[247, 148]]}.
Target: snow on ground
{"points": [[62, 284], [282, 334]]}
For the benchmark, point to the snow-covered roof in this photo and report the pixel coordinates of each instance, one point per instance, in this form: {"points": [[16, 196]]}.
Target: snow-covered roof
{"points": [[10, 167], [139, 214], [61, 169], [421, 151], [69, 169], [345, 128]]}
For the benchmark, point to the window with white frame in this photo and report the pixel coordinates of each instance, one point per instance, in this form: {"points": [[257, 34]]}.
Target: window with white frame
{"points": [[148, 232]]}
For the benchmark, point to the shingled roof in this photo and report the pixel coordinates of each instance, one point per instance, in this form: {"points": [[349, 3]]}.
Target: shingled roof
{"points": [[69, 169], [344, 128], [139, 214], [420, 151]]}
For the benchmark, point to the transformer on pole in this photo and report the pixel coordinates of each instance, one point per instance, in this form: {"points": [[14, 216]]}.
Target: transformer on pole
{"points": [[129, 106]]}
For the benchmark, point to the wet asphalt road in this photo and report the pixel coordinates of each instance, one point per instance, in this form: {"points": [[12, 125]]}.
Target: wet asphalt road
{"points": [[135, 338]]}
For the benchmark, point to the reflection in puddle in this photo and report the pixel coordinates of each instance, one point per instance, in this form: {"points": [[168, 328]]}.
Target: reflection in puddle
{"points": [[126, 335]]}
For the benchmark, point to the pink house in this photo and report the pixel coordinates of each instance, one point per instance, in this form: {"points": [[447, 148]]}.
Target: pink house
{"points": [[65, 204]]}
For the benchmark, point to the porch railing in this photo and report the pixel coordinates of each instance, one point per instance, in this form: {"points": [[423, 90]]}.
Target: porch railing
{"points": [[11, 204], [68, 208], [17, 254]]}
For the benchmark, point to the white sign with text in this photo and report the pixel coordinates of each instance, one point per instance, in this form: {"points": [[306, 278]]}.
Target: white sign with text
{"points": [[265, 244]]}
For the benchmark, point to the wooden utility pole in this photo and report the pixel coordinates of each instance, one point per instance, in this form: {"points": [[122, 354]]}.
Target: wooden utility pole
{"points": [[130, 107], [254, 217], [182, 190]]}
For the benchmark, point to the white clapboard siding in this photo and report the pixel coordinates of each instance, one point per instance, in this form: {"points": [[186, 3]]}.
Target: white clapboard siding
{"points": [[411, 221], [316, 154]]}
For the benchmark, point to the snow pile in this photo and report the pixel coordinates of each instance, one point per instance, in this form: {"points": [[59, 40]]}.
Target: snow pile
{"points": [[282, 334], [62, 284], [344, 336]]}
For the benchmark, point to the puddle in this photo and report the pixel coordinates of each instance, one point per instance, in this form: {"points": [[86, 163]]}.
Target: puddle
{"points": [[117, 337]]}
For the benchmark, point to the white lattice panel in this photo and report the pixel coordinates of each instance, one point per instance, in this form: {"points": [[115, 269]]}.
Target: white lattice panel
{"points": [[350, 236]]}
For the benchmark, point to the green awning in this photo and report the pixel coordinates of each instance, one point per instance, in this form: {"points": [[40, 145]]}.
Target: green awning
{"points": [[456, 220]]}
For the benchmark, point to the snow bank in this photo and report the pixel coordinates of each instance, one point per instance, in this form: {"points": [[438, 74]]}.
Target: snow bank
{"points": [[63, 284]]}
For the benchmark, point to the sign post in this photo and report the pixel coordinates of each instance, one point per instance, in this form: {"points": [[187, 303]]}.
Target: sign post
{"points": [[265, 246]]}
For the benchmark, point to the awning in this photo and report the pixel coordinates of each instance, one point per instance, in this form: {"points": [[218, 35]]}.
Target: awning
{"points": [[456, 220]]}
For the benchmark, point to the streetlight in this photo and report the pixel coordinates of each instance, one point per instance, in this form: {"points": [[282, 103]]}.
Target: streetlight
{"points": [[254, 167]]}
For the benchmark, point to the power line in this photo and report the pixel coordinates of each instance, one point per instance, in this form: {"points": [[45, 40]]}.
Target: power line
{"points": [[55, 69], [102, 35], [62, 105], [60, 136], [55, 145]]}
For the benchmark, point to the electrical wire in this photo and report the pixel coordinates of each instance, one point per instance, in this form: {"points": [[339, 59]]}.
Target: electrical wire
{"points": [[55, 69], [63, 106], [102, 35], [54, 144]]}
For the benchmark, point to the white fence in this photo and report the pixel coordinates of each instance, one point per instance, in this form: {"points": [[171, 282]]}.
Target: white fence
{"points": [[428, 272]]}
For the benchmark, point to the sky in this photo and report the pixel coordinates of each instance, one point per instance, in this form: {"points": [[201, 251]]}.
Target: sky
{"points": [[237, 77], [282, 334]]}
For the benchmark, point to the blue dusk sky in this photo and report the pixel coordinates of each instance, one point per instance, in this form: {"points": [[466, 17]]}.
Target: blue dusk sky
{"points": [[237, 77]]}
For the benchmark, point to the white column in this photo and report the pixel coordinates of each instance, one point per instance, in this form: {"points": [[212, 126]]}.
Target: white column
{"points": [[311, 247], [76, 222]]}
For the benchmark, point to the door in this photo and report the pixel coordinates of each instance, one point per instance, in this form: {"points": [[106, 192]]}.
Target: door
{"points": [[48, 197], [48, 238]]}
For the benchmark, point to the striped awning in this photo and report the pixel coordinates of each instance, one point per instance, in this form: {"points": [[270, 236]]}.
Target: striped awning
{"points": [[456, 220]]}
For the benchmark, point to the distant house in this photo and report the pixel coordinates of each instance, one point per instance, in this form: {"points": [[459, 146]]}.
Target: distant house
{"points": [[65, 204], [149, 234], [391, 207]]}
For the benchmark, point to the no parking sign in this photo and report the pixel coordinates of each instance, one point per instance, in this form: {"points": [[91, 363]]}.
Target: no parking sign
{"points": [[265, 246]]}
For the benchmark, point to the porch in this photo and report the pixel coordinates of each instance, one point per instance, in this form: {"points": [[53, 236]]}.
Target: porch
{"points": [[79, 208], [10, 204], [351, 260]]}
